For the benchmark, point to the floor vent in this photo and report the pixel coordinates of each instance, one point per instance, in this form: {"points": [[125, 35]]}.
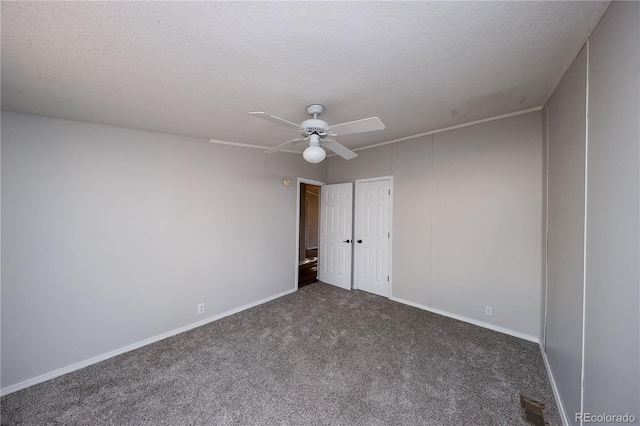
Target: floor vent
{"points": [[532, 411]]}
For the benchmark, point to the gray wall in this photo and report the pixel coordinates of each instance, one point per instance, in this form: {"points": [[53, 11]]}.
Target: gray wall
{"points": [[111, 236], [603, 80], [566, 131], [467, 219], [486, 222], [412, 243], [612, 339]]}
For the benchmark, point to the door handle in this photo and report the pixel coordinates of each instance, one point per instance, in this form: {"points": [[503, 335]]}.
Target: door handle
{"points": [[359, 241], [347, 241]]}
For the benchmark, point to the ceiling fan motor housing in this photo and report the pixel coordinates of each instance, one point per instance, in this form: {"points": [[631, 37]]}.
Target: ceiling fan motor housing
{"points": [[314, 125]]}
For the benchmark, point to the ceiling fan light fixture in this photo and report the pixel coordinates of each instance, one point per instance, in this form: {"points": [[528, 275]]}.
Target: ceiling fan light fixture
{"points": [[314, 154]]}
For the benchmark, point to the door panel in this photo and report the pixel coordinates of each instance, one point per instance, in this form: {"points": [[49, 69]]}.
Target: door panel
{"points": [[372, 225], [334, 257]]}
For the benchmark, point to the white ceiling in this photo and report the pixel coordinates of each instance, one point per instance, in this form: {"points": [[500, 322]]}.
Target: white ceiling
{"points": [[198, 68]]}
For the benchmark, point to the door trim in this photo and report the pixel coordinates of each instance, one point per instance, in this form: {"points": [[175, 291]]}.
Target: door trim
{"points": [[355, 198], [297, 251]]}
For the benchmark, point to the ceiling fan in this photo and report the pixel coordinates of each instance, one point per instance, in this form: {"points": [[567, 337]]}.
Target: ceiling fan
{"points": [[317, 132]]}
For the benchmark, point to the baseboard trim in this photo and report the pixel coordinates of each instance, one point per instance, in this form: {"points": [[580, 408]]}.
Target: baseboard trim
{"points": [[554, 388], [79, 365], [407, 302], [469, 320]]}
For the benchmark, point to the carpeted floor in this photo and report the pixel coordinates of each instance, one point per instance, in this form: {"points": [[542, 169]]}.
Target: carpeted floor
{"points": [[321, 356]]}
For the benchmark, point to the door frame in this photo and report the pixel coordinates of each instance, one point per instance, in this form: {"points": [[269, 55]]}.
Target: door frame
{"points": [[355, 200], [298, 196]]}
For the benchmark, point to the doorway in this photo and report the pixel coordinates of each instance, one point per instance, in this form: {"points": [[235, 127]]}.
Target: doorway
{"points": [[346, 245], [309, 225]]}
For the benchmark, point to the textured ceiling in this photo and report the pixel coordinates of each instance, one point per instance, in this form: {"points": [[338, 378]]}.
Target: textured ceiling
{"points": [[198, 68]]}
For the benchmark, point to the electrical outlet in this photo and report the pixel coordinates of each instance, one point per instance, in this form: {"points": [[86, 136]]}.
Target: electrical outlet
{"points": [[200, 308], [488, 310]]}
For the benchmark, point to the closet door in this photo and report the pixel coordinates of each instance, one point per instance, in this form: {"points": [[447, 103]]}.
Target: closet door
{"points": [[334, 257]]}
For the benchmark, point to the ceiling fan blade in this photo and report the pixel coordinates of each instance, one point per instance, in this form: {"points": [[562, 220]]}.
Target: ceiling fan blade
{"points": [[277, 120], [282, 146], [341, 150], [365, 125]]}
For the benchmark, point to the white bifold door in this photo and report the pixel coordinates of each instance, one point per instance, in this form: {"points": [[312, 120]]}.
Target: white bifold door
{"points": [[336, 210], [372, 236]]}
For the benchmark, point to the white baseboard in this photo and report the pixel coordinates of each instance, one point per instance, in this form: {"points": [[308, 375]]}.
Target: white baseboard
{"points": [[77, 366], [469, 320], [407, 302], [556, 394]]}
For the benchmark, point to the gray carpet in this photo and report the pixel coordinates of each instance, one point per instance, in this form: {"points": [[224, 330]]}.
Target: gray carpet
{"points": [[319, 356]]}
